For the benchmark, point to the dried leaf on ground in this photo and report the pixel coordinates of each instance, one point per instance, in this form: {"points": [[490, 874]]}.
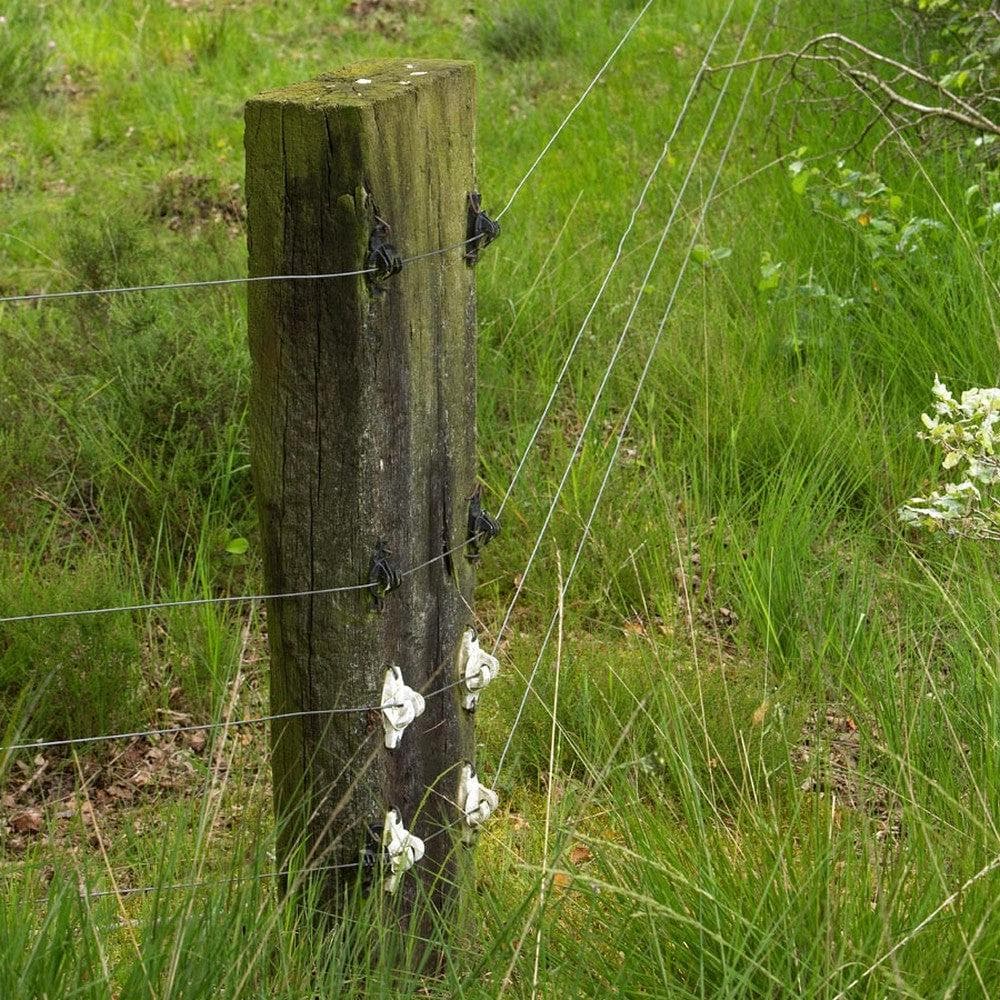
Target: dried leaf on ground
{"points": [[29, 821]]}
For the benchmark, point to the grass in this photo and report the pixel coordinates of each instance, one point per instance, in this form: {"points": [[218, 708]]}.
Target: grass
{"points": [[777, 735]]}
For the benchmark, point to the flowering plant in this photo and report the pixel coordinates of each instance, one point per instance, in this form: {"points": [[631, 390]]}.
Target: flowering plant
{"points": [[967, 430]]}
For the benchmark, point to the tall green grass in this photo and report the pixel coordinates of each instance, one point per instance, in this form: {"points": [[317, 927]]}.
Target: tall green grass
{"points": [[776, 747]]}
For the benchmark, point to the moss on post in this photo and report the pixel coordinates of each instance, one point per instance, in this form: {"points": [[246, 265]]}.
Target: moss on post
{"points": [[363, 428]]}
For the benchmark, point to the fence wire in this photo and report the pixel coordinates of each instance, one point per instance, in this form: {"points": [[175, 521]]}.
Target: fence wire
{"points": [[218, 282], [572, 111], [214, 726], [123, 892], [233, 724], [247, 280], [233, 599], [648, 362], [643, 284]]}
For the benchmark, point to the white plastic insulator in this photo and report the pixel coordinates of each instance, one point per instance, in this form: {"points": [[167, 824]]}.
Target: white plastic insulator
{"points": [[478, 668], [403, 849], [476, 801], [400, 706]]}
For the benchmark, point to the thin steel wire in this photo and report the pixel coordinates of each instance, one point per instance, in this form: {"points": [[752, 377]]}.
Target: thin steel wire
{"points": [[236, 879], [142, 890], [616, 260], [232, 599], [213, 726], [572, 111], [641, 382], [188, 603], [216, 282], [523, 576], [175, 285]]}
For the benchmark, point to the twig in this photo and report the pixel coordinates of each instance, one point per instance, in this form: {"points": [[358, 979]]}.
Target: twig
{"points": [[904, 69], [968, 116]]}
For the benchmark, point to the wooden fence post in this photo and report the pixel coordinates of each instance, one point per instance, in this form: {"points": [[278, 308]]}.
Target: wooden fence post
{"points": [[363, 431]]}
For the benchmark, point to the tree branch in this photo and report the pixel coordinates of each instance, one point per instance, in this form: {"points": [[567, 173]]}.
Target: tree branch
{"points": [[963, 113]]}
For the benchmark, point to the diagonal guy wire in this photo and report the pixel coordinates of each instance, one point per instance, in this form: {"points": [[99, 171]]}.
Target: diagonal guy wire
{"points": [[572, 111], [635, 306], [641, 382], [616, 260]]}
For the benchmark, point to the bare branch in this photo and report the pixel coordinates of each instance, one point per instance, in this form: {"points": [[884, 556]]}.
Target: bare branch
{"points": [[896, 64], [963, 113], [895, 128]]}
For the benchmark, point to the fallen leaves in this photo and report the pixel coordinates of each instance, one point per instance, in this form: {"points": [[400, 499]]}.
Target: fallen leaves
{"points": [[836, 760], [43, 794], [196, 741], [579, 854], [29, 821]]}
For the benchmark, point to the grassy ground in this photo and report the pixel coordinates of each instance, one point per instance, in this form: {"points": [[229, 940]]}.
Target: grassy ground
{"points": [[778, 714]]}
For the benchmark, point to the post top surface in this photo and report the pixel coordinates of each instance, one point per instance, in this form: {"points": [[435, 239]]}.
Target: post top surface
{"points": [[364, 83]]}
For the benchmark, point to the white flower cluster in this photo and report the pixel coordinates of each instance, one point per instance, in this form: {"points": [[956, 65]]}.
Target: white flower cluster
{"points": [[967, 430]]}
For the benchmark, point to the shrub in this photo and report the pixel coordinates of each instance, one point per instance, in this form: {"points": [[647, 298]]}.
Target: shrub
{"points": [[523, 30], [83, 676], [23, 52], [966, 431]]}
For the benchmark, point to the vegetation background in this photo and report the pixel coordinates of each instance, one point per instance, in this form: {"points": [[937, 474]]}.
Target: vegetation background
{"points": [[777, 727]]}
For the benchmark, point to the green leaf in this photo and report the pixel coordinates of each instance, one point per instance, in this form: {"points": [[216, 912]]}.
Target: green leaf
{"points": [[801, 179], [706, 256], [956, 80], [770, 273], [701, 253], [238, 547]]}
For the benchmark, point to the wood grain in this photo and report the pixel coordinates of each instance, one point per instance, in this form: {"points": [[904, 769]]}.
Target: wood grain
{"points": [[363, 427]]}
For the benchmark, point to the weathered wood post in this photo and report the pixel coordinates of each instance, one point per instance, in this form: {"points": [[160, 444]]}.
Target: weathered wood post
{"points": [[363, 431]]}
